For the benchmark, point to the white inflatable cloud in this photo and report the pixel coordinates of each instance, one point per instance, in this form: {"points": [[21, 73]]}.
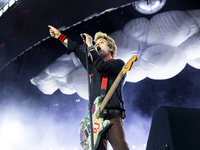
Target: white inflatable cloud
{"points": [[164, 45]]}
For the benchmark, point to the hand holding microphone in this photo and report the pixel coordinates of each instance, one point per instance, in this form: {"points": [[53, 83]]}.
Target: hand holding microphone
{"points": [[87, 39]]}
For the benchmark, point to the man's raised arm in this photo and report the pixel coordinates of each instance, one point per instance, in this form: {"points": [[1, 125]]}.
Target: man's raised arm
{"points": [[55, 33]]}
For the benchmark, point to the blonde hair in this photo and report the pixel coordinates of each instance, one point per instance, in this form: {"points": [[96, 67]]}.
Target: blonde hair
{"points": [[111, 42]]}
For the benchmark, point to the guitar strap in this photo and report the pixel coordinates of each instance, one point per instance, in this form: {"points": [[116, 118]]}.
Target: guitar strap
{"points": [[104, 82]]}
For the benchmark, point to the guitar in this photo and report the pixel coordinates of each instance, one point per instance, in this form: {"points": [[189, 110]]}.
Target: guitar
{"points": [[99, 124]]}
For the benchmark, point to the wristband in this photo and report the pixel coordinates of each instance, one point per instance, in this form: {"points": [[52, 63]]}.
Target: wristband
{"points": [[61, 38], [91, 48]]}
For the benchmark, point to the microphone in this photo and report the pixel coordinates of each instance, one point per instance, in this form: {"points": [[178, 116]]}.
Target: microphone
{"points": [[83, 36]]}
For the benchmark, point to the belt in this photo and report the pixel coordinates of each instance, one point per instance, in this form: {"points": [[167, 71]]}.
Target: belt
{"points": [[112, 111]]}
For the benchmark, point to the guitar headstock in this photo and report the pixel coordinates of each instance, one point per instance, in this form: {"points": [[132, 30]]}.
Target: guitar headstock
{"points": [[129, 64]]}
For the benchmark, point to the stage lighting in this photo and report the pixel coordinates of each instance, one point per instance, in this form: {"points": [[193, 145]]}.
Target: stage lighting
{"points": [[133, 147], [5, 7], [1, 12], [11, 2], [148, 6]]}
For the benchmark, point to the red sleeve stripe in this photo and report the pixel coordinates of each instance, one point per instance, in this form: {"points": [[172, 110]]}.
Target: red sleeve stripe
{"points": [[62, 38]]}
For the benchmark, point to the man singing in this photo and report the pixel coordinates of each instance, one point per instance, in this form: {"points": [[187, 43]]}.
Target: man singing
{"points": [[102, 64]]}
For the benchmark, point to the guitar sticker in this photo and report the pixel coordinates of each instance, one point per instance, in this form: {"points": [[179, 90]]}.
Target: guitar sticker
{"points": [[95, 129]]}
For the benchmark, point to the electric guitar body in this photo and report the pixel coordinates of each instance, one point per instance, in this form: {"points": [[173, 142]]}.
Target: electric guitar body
{"points": [[99, 125]]}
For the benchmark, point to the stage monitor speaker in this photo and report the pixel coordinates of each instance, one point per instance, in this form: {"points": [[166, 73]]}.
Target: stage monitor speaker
{"points": [[175, 128]]}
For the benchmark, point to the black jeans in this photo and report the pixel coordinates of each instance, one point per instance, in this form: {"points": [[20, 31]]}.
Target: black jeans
{"points": [[114, 134]]}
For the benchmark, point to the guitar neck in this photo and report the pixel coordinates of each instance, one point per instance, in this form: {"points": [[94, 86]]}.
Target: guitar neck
{"points": [[109, 94]]}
